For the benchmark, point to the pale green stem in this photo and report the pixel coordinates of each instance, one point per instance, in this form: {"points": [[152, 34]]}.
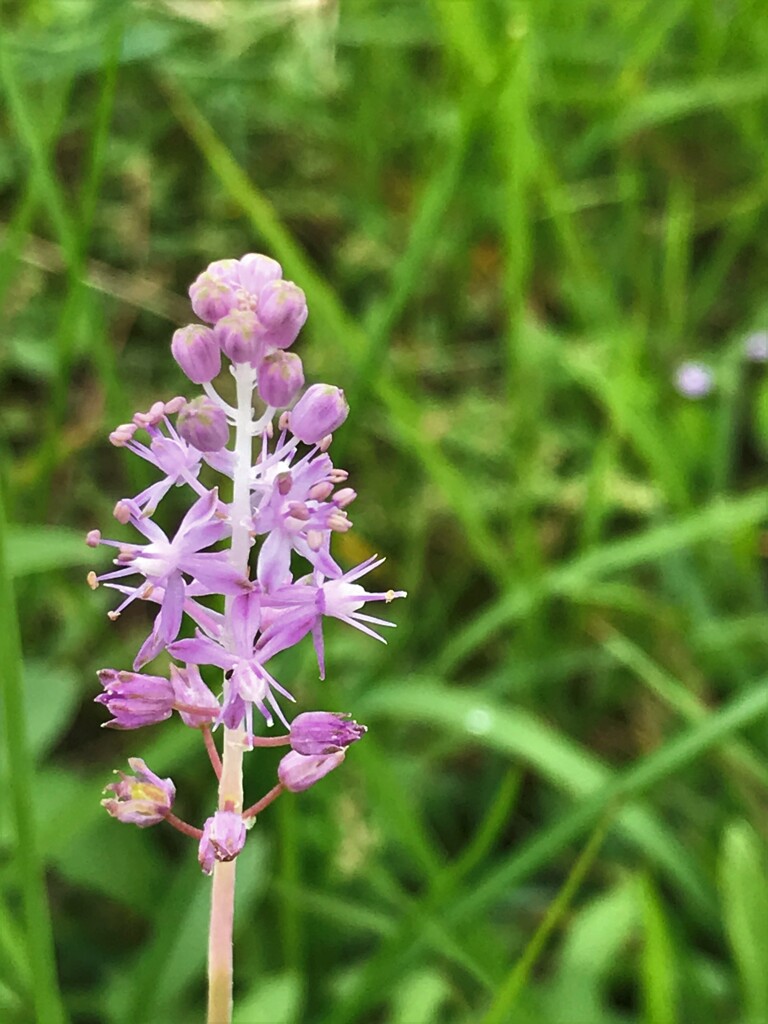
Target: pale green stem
{"points": [[231, 782]]}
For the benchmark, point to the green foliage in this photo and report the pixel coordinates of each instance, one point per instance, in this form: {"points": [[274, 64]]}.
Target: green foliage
{"points": [[513, 220]]}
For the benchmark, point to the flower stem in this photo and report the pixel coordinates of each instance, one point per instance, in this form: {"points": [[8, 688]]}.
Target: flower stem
{"points": [[213, 753], [265, 801], [220, 936]]}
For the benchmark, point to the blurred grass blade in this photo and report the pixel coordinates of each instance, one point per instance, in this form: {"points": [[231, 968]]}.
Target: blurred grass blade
{"points": [[658, 968], [33, 549], [516, 733], [718, 521], [745, 909], [500, 1010], [737, 753], [277, 998], [23, 793], [675, 755]]}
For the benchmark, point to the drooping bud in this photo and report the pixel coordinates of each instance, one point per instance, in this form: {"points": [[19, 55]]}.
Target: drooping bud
{"points": [[281, 377], [214, 292], [195, 703], [142, 799], [133, 699], [223, 838], [282, 312], [298, 772], [203, 424], [238, 335], [197, 352], [320, 410], [321, 732]]}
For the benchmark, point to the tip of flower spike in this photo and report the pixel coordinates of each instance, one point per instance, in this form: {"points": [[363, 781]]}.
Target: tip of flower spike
{"points": [[92, 580], [93, 538]]}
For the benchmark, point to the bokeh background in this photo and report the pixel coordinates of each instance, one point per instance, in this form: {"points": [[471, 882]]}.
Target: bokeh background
{"points": [[513, 221]]}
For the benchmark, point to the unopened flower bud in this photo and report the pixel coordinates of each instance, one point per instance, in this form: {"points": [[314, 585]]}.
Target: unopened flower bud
{"points": [[214, 292], [237, 333], [321, 732], [203, 424], [142, 799], [223, 838], [320, 410], [280, 377], [134, 699], [282, 312], [298, 772], [255, 271], [197, 352], [195, 703]]}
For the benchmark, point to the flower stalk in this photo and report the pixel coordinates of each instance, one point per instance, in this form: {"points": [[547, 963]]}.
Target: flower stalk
{"points": [[286, 503]]}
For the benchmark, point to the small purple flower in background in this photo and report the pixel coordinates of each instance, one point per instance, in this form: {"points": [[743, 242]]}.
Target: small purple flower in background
{"points": [[694, 380], [756, 347], [276, 575]]}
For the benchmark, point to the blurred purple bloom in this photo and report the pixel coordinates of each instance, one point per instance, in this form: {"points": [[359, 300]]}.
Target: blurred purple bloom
{"points": [[756, 347], [694, 380]]}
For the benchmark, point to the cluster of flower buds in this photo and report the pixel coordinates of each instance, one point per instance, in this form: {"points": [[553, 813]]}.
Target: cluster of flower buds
{"points": [[286, 504]]}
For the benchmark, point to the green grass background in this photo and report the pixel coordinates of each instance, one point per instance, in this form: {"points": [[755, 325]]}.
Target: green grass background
{"points": [[512, 220]]}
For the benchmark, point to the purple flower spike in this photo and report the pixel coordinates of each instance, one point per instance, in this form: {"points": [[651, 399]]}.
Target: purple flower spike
{"points": [[143, 799], [298, 772], [320, 410], [195, 703], [756, 347], [238, 335], [282, 312], [203, 424], [223, 838], [135, 700], [281, 377], [321, 732], [694, 380], [197, 352]]}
